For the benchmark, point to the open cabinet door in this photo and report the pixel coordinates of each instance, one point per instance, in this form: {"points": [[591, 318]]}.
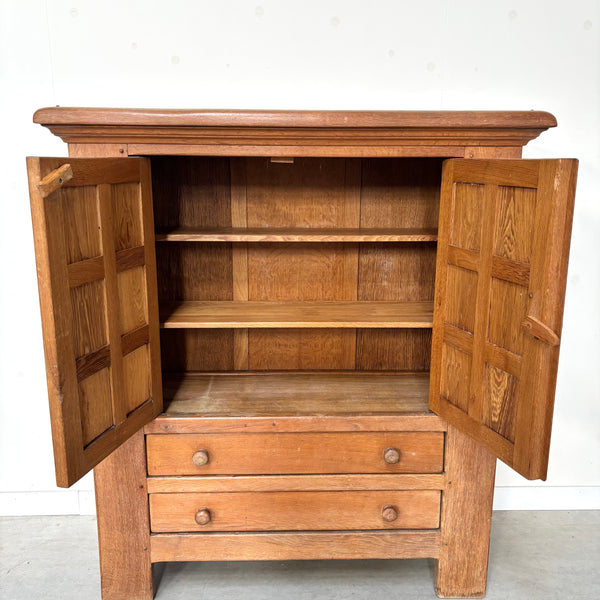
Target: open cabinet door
{"points": [[94, 245], [503, 246]]}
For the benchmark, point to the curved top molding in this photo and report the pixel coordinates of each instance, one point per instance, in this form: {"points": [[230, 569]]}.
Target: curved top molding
{"points": [[292, 118], [259, 131]]}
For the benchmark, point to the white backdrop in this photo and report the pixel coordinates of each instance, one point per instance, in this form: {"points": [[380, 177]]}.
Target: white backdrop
{"points": [[432, 54]]}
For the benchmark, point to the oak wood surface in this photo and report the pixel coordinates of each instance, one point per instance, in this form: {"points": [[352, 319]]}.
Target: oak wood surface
{"points": [[293, 133], [308, 193], [277, 453], [466, 518], [268, 234], [308, 314], [124, 523], [296, 118], [313, 423], [382, 214], [309, 545], [86, 312], [283, 483], [293, 511], [289, 393], [502, 254]]}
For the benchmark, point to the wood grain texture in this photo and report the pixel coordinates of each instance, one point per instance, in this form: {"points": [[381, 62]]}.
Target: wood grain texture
{"points": [[289, 393], [551, 244], [308, 193], [400, 192], [127, 216], [289, 234], [189, 271], [292, 118], [276, 453], [116, 303], [519, 266], [122, 502], [296, 314], [393, 349], [76, 224], [327, 229], [96, 417], [293, 424], [88, 310], [466, 518], [55, 180], [197, 350], [301, 349], [191, 192], [307, 483], [397, 192], [293, 511], [295, 546], [295, 133], [239, 256], [301, 272]]}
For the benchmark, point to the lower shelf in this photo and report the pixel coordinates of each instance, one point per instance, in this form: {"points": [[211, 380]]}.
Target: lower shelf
{"points": [[245, 394]]}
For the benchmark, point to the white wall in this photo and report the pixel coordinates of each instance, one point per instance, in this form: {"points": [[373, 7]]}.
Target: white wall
{"points": [[328, 54]]}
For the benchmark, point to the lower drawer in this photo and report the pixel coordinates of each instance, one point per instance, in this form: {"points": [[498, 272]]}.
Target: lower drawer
{"points": [[294, 511]]}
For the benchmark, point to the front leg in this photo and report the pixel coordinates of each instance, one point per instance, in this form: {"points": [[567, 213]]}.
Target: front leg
{"points": [[466, 518], [124, 523]]}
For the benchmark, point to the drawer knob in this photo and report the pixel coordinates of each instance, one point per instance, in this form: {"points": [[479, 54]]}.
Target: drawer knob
{"points": [[200, 458], [391, 456], [203, 516], [389, 513]]}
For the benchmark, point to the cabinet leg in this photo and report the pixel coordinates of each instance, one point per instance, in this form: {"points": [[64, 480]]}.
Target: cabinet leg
{"points": [[123, 523], [466, 518]]}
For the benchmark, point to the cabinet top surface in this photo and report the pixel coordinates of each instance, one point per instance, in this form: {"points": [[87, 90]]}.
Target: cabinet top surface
{"points": [[294, 118], [291, 133]]}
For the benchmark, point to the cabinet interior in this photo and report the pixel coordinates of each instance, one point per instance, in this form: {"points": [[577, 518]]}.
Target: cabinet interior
{"points": [[286, 285]]}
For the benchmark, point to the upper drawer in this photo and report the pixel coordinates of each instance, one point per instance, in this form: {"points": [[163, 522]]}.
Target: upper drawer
{"points": [[280, 453]]}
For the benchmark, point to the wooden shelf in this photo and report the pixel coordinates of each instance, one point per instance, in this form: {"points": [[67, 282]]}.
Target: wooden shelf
{"points": [[297, 235], [342, 314], [294, 394]]}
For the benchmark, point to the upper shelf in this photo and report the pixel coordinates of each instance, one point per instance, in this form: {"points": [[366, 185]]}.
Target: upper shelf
{"points": [[297, 235], [324, 314], [293, 133]]}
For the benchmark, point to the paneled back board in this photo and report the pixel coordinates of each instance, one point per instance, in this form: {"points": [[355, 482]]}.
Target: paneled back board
{"points": [[303, 229], [94, 244], [503, 248]]}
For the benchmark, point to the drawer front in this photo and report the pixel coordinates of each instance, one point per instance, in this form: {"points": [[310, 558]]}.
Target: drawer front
{"points": [[291, 511], [295, 453]]}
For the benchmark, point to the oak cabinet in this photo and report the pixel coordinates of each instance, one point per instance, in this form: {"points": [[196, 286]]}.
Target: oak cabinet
{"points": [[299, 335]]}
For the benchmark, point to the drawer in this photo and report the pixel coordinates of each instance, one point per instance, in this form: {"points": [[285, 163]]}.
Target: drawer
{"points": [[295, 453], [292, 511]]}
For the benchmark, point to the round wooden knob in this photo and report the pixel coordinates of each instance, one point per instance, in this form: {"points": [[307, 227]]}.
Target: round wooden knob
{"points": [[391, 456], [200, 458], [389, 513], [203, 516]]}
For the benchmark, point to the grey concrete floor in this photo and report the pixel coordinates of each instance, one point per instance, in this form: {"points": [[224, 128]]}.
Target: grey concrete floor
{"points": [[534, 555]]}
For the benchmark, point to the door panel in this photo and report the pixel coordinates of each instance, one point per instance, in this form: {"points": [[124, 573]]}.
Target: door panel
{"points": [[94, 242], [503, 245]]}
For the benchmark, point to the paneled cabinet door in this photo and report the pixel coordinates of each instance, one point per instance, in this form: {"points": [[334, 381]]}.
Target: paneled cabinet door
{"points": [[503, 245], [94, 245]]}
